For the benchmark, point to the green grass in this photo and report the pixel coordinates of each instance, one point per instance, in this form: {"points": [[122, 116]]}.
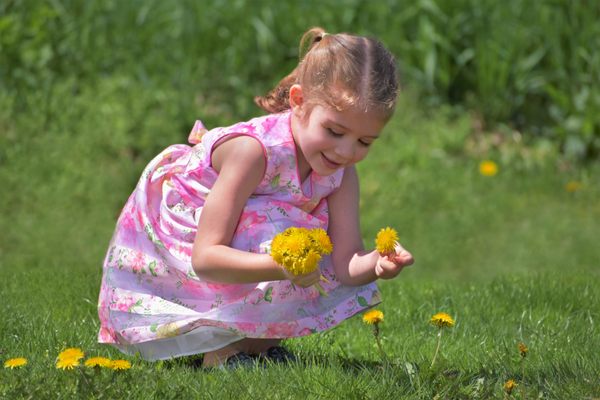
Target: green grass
{"points": [[91, 91], [513, 258]]}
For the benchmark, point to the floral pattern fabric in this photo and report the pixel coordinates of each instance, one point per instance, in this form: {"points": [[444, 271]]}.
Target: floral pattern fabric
{"points": [[149, 290]]}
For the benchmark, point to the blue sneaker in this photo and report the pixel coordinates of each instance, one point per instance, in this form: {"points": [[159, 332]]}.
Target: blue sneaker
{"points": [[240, 360], [279, 355]]}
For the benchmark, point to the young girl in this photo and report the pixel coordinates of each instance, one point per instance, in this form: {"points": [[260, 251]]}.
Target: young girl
{"points": [[188, 269]]}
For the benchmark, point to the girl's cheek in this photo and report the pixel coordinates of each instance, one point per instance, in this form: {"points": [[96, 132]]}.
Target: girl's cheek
{"points": [[362, 153]]}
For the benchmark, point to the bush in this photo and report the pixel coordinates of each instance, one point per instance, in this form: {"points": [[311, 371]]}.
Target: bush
{"points": [[532, 65]]}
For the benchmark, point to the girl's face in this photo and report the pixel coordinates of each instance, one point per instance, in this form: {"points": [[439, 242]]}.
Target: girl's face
{"points": [[329, 139]]}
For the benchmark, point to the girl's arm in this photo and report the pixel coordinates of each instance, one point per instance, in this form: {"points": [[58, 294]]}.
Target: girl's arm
{"points": [[354, 265], [241, 164]]}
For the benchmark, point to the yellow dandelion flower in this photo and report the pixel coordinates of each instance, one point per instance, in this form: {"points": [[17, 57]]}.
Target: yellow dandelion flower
{"points": [[523, 350], [120, 365], [298, 250], [488, 168], [97, 362], [386, 240], [373, 317], [322, 240], [509, 386], [15, 362], [442, 320], [71, 352], [296, 243], [67, 363], [573, 186], [277, 257], [310, 262]]}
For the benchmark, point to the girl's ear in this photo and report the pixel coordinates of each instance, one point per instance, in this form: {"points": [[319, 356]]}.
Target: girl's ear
{"points": [[296, 98]]}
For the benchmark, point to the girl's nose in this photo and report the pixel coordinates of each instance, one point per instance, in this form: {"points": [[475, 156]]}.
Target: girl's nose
{"points": [[346, 151]]}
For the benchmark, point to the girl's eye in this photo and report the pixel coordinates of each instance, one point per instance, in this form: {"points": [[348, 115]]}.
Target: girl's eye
{"points": [[366, 144], [334, 133]]}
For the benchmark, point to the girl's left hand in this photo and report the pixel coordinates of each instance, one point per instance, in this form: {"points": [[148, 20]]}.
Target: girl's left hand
{"points": [[389, 266]]}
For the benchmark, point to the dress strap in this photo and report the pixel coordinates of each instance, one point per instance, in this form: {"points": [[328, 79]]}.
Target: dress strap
{"points": [[197, 132]]}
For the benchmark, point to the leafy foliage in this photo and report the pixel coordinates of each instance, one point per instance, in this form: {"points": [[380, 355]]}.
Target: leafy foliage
{"points": [[92, 90], [531, 65]]}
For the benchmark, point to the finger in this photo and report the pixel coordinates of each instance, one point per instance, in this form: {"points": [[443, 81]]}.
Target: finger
{"points": [[378, 270], [403, 256], [387, 266], [398, 247], [388, 273], [404, 259]]}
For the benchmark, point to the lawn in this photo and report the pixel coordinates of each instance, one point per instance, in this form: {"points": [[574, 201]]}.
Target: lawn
{"points": [[513, 258], [91, 91]]}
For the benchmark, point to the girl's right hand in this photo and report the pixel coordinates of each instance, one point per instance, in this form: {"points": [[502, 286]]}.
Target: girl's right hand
{"points": [[305, 280], [389, 267]]}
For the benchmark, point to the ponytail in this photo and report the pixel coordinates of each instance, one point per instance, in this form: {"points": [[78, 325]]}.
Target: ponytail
{"points": [[339, 70], [277, 100]]}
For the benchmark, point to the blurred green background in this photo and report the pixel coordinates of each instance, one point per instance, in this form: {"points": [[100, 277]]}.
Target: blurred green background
{"points": [[532, 66], [91, 90]]}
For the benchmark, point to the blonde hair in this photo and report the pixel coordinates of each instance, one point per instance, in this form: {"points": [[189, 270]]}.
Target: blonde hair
{"points": [[339, 70]]}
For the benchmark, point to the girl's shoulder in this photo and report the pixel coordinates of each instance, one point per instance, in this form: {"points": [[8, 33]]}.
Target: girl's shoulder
{"points": [[271, 129]]}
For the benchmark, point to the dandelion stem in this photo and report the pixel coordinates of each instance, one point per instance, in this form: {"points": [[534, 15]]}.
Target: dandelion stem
{"points": [[523, 377], [320, 289], [378, 341], [437, 349]]}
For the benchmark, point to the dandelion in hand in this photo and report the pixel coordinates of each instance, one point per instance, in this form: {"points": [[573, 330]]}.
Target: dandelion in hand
{"points": [[120, 365], [322, 242], [375, 317], [441, 320], [386, 240], [488, 168], [299, 250], [15, 363]]}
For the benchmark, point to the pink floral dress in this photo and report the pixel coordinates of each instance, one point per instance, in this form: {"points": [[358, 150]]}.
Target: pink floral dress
{"points": [[151, 301]]}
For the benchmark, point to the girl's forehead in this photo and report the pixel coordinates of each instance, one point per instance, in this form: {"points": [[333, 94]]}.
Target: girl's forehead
{"points": [[351, 119]]}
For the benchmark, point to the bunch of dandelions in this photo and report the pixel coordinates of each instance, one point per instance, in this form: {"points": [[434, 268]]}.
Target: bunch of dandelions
{"points": [[70, 359], [442, 321], [299, 251], [375, 317]]}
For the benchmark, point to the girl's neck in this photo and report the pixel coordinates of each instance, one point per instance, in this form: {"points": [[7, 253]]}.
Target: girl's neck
{"points": [[304, 168]]}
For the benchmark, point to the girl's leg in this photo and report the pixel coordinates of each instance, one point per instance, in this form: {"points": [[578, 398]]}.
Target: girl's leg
{"points": [[258, 346], [248, 345]]}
